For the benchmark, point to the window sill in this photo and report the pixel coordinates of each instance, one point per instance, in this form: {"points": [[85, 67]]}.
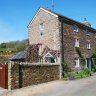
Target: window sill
{"points": [[75, 31], [87, 34], [89, 48]]}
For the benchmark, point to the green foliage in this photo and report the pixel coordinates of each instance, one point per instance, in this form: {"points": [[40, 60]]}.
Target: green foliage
{"points": [[14, 46], [78, 75], [94, 57], [65, 68], [82, 59], [94, 61], [3, 45], [83, 73]]}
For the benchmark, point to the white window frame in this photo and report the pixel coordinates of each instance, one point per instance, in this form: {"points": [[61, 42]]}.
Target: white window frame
{"points": [[75, 28], [76, 41], [76, 62], [87, 32], [88, 45], [41, 26]]}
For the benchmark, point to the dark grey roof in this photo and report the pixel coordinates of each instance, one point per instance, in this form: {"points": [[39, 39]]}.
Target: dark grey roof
{"points": [[19, 56]]}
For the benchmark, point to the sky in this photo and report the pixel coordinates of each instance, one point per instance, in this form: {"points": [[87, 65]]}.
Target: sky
{"points": [[15, 15]]}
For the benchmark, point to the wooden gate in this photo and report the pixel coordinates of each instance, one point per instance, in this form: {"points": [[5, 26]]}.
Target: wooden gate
{"points": [[4, 75]]}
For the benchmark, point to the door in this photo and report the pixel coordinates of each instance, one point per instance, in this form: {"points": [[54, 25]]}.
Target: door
{"points": [[88, 63], [4, 76]]}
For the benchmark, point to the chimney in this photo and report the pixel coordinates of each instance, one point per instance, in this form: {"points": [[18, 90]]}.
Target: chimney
{"points": [[87, 23]]}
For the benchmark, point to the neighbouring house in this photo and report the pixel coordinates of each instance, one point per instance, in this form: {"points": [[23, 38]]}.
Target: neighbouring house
{"points": [[58, 37]]}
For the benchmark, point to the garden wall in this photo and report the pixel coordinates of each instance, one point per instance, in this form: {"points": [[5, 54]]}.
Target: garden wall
{"points": [[23, 75]]}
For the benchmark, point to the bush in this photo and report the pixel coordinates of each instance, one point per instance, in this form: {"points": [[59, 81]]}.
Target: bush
{"points": [[83, 73], [77, 75], [94, 68]]}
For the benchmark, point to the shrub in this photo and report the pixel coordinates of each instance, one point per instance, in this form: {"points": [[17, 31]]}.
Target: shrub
{"points": [[77, 75], [83, 73]]}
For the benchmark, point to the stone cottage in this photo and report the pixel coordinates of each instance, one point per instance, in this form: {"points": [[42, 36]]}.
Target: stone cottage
{"points": [[58, 37]]}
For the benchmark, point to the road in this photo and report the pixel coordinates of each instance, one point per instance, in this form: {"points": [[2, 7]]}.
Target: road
{"points": [[83, 87], [2, 90]]}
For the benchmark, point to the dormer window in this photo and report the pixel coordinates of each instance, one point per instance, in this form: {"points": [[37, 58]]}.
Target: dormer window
{"points": [[87, 32], [75, 28], [41, 26]]}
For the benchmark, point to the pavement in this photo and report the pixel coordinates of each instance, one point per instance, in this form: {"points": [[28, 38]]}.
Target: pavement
{"points": [[82, 87], [2, 90]]}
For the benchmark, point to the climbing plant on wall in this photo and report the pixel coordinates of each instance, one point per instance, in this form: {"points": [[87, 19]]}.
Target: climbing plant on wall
{"points": [[82, 59]]}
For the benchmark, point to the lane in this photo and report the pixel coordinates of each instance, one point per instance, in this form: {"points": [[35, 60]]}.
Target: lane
{"points": [[83, 87], [2, 90]]}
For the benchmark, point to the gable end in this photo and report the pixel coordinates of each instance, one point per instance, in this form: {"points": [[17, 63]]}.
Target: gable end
{"points": [[38, 12]]}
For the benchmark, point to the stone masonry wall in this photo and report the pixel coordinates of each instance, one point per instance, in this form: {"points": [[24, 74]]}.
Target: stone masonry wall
{"points": [[23, 75], [68, 40], [50, 36]]}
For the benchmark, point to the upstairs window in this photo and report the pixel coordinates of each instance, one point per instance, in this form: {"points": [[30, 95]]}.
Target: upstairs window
{"points": [[76, 62], [76, 42], [41, 33], [41, 26], [75, 28], [88, 45], [87, 32]]}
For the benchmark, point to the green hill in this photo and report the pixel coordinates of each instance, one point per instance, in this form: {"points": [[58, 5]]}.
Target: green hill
{"points": [[15, 46]]}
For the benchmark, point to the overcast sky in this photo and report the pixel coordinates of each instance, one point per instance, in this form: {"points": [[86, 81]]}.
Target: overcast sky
{"points": [[15, 15]]}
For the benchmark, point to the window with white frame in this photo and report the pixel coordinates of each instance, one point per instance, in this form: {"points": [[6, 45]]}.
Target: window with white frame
{"points": [[76, 42], [75, 28], [88, 45], [87, 32], [76, 62], [41, 26]]}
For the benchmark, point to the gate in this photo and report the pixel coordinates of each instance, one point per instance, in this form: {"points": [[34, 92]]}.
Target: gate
{"points": [[4, 75]]}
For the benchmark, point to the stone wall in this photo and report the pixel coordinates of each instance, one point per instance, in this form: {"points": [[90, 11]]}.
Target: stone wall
{"points": [[29, 74], [68, 42], [50, 36]]}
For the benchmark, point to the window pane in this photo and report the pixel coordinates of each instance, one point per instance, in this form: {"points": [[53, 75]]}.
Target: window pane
{"points": [[75, 28]]}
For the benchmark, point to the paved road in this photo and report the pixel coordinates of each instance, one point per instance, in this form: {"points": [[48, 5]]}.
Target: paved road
{"points": [[2, 90], [83, 87]]}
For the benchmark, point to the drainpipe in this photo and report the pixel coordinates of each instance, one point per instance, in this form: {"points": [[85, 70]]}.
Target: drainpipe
{"points": [[62, 47]]}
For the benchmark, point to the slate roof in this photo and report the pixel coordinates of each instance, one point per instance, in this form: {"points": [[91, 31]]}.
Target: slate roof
{"points": [[19, 56]]}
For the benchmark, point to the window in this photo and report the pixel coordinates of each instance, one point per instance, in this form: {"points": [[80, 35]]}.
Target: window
{"points": [[75, 28], [76, 62], [41, 26], [88, 45], [76, 42], [41, 33], [87, 32]]}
